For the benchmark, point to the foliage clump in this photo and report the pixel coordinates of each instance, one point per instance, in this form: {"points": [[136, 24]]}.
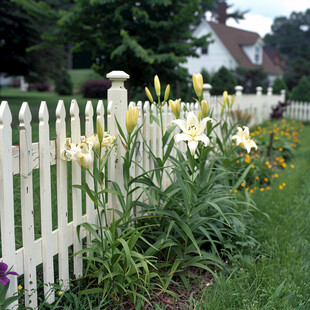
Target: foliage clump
{"points": [[223, 80]]}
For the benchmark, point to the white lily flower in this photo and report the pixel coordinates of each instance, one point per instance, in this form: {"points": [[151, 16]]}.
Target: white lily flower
{"points": [[192, 131], [107, 140], [243, 139], [81, 153]]}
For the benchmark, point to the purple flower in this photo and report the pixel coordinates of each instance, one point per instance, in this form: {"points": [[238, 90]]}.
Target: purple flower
{"points": [[4, 272]]}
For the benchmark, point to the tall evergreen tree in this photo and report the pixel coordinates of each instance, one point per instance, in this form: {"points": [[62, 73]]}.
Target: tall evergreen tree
{"points": [[142, 38]]}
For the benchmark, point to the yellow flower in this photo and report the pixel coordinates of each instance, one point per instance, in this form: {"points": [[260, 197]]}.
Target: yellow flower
{"points": [[242, 184], [157, 85], [257, 177], [268, 188], [253, 166], [235, 191], [20, 287], [266, 179], [292, 166], [198, 84], [204, 108], [149, 95], [280, 149], [60, 292], [280, 187], [251, 191], [267, 163], [225, 97], [247, 189], [243, 139], [238, 161], [99, 131], [247, 159], [175, 107], [276, 175], [284, 184], [167, 92], [131, 118], [284, 165], [192, 131], [262, 189]]}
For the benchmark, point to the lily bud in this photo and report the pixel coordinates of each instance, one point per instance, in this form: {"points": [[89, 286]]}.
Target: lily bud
{"points": [[167, 92], [225, 97], [175, 107], [157, 85], [198, 83], [99, 131], [232, 99], [204, 108], [131, 119], [199, 115], [149, 95]]}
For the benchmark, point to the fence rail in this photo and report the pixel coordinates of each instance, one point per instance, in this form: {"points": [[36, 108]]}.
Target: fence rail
{"points": [[21, 161]]}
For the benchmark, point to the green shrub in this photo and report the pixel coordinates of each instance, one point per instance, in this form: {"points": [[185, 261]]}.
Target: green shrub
{"points": [[278, 85], [223, 80], [301, 91], [63, 84]]}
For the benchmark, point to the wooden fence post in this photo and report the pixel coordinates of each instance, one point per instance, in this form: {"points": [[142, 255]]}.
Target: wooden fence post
{"points": [[117, 95]]}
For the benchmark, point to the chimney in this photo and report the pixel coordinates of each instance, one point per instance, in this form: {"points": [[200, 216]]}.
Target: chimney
{"points": [[222, 16]]}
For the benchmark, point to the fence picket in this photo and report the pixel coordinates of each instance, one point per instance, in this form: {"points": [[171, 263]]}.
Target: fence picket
{"points": [[89, 130], [25, 135], [6, 195], [62, 205], [76, 193], [45, 200]]}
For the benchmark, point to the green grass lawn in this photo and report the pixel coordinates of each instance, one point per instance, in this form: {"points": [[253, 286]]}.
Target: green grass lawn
{"points": [[276, 275], [79, 76]]}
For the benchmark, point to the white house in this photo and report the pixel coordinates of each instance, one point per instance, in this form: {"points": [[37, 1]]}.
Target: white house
{"points": [[231, 48]]}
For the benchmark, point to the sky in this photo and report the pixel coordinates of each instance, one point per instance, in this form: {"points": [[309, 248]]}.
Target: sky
{"points": [[262, 12]]}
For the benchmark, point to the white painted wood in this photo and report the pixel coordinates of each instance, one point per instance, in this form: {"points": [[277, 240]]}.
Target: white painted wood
{"points": [[119, 97], [89, 130], [6, 196], [62, 190], [165, 126], [46, 202], [101, 118], [147, 135], [25, 137], [112, 203], [76, 193], [34, 154], [139, 150]]}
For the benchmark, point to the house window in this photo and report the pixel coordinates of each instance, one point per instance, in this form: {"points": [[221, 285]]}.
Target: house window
{"points": [[257, 54], [204, 50]]}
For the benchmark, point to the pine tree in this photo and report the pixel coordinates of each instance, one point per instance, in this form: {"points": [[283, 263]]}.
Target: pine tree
{"points": [[142, 38], [301, 91], [223, 80]]}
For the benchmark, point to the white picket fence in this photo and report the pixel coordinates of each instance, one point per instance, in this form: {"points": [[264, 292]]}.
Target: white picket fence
{"points": [[23, 159], [298, 111]]}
